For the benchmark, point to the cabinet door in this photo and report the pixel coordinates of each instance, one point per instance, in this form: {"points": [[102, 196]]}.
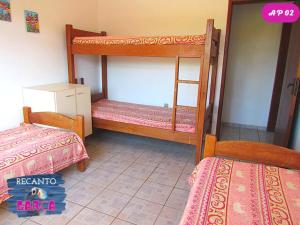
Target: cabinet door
{"points": [[66, 102], [83, 107]]}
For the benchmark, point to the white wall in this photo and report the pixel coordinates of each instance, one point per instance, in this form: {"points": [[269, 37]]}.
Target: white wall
{"points": [[28, 59], [151, 80], [251, 67]]}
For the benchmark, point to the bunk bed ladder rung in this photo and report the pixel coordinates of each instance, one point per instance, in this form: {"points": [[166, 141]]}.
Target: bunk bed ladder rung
{"points": [[188, 81], [176, 83], [185, 107]]}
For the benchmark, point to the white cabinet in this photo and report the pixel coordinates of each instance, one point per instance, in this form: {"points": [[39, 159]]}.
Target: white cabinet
{"points": [[68, 99]]}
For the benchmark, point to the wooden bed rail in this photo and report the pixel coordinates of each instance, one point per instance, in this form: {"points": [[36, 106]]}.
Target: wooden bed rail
{"points": [[75, 124], [252, 151]]}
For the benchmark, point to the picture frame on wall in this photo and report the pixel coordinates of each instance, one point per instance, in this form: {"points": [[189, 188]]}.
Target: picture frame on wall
{"points": [[32, 21], [5, 11]]}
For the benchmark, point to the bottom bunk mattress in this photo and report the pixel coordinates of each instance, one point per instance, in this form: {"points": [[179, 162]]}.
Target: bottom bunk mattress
{"points": [[152, 116], [31, 149], [238, 193]]}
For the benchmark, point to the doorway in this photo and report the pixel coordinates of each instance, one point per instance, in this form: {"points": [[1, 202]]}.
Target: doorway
{"points": [[250, 74], [284, 105]]}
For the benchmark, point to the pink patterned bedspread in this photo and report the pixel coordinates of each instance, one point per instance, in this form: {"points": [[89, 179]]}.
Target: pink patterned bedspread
{"points": [[238, 193], [152, 116], [142, 40], [30, 150]]}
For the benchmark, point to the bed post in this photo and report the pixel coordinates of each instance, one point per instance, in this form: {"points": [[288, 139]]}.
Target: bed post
{"points": [[70, 56], [214, 74], [202, 90], [210, 146], [104, 71], [26, 114]]}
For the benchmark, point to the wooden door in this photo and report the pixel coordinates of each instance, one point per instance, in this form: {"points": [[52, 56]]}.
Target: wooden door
{"points": [[290, 90]]}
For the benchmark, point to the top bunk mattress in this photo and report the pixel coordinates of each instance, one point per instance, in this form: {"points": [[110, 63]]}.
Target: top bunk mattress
{"points": [[142, 40], [152, 116]]}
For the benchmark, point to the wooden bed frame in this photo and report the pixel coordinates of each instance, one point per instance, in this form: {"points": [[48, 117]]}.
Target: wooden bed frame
{"points": [[252, 151], [75, 124], [208, 54]]}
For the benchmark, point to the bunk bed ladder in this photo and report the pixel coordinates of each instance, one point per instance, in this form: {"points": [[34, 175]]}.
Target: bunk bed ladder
{"points": [[176, 83]]}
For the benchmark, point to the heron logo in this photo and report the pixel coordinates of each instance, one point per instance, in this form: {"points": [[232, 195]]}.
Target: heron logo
{"points": [[36, 195]]}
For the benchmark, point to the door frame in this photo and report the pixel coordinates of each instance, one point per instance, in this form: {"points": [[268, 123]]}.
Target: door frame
{"points": [[278, 76]]}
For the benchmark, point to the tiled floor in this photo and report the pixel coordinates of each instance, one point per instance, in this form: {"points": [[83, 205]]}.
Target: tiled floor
{"points": [[129, 180], [240, 133]]}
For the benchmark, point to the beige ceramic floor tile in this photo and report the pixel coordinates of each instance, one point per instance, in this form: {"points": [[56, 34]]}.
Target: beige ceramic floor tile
{"points": [[183, 182], [8, 218], [115, 165], [126, 184], [83, 193], [29, 222], [121, 222], [72, 210], [172, 165], [101, 177], [266, 137], [154, 192], [141, 171], [91, 217], [75, 174], [140, 212], [249, 134], [169, 216], [162, 176], [178, 199], [69, 182], [230, 133], [110, 202]]}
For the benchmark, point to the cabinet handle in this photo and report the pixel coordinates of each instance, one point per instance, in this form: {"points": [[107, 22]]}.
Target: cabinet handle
{"points": [[80, 93], [68, 96]]}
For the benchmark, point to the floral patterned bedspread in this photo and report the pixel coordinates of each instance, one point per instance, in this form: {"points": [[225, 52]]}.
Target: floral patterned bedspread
{"points": [[31, 149], [152, 116], [238, 193], [142, 40]]}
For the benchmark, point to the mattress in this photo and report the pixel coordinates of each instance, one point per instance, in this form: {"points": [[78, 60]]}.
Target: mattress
{"points": [[142, 40], [231, 192], [30, 150], [151, 116]]}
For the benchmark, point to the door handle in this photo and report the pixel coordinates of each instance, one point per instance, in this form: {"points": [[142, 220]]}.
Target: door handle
{"points": [[291, 84], [295, 86]]}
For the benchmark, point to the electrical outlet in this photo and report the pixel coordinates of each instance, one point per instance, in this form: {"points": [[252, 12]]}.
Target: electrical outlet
{"points": [[166, 105]]}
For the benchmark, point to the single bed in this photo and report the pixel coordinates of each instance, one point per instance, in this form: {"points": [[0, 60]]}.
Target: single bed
{"points": [[151, 116], [31, 149], [229, 191]]}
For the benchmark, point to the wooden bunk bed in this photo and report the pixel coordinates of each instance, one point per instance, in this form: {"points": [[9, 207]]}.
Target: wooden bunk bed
{"points": [[205, 47]]}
